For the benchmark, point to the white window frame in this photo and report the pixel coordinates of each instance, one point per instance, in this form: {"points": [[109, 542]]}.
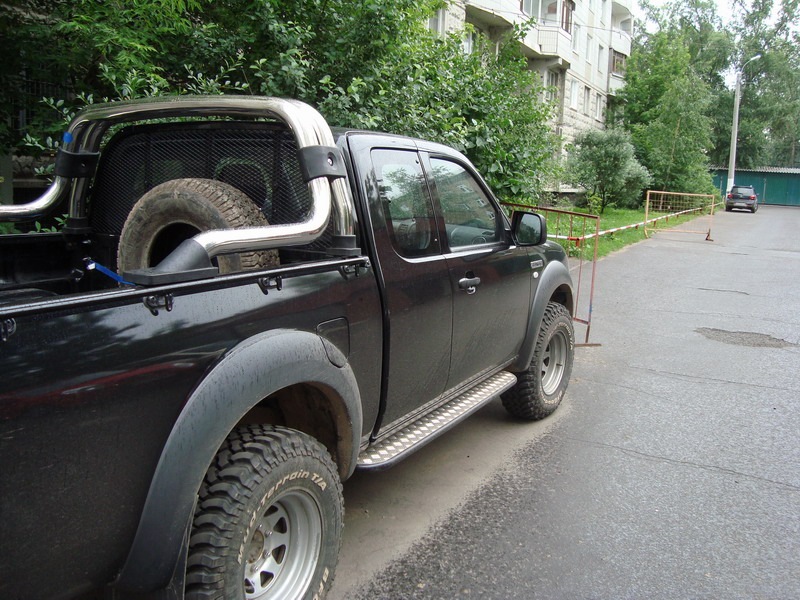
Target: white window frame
{"points": [[470, 41], [438, 21], [619, 63], [552, 82], [530, 7], [589, 49], [573, 94], [551, 18], [567, 15]]}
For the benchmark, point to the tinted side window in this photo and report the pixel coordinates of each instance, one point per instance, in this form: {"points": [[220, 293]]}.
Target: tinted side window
{"points": [[406, 203], [470, 217]]}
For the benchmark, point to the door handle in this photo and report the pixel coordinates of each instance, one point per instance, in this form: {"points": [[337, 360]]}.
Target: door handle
{"points": [[469, 283]]}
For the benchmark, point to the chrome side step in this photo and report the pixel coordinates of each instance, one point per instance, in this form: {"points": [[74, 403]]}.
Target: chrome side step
{"points": [[398, 446]]}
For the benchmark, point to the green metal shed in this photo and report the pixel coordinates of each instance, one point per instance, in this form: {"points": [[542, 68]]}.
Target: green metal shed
{"points": [[774, 185]]}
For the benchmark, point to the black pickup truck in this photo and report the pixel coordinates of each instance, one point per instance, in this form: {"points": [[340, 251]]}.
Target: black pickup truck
{"points": [[241, 309]]}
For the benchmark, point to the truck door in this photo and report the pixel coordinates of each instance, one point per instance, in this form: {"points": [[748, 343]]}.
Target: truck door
{"points": [[416, 286], [491, 278]]}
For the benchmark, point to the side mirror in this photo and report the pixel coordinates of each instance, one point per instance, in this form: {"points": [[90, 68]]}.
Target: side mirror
{"points": [[529, 229]]}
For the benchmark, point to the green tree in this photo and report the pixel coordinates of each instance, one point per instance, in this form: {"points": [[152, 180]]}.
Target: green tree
{"points": [[675, 136], [666, 107], [710, 45], [782, 129], [123, 49], [769, 118], [370, 64], [85, 47], [486, 103], [289, 47], [603, 163]]}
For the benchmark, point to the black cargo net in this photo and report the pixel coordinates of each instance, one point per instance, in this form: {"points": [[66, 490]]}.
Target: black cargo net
{"points": [[258, 158]]}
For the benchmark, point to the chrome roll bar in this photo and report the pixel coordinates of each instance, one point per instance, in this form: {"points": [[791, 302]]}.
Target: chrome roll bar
{"points": [[329, 196]]}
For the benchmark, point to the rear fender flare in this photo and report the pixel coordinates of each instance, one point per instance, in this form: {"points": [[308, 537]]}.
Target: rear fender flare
{"points": [[246, 375], [554, 278]]}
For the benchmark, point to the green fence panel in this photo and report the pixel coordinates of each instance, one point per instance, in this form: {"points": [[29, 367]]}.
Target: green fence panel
{"points": [[772, 188]]}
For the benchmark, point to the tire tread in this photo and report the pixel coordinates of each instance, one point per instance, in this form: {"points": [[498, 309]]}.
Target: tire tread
{"points": [[524, 400], [247, 455]]}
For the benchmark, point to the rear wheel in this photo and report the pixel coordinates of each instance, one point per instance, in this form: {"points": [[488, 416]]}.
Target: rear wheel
{"points": [[268, 521], [539, 390]]}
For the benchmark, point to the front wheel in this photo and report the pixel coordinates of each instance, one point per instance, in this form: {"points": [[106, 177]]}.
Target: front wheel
{"points": [[268, 521], [540, 388]]}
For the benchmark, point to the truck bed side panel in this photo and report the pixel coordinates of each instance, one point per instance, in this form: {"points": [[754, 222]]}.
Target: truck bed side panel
{"points": [[89, 396]]}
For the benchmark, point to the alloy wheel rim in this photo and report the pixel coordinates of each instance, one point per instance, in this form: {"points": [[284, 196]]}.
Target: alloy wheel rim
{"points": [[554, 362], [283, 550]]}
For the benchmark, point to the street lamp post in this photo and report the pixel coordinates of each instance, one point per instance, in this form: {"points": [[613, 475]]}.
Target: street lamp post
{"points": [[737, 96]]}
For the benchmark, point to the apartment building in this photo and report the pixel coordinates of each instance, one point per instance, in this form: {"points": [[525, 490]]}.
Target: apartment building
{"points": [[579, 47]]}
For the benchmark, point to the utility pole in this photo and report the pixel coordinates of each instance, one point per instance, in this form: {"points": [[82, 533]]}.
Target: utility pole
{"points": [[737, 96]]}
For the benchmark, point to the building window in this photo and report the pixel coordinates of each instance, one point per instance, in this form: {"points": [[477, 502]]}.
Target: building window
{"points": [[470, 41], [598, 107], [530, 7], [618, 62], [589, 46], [601, 58], [567, 9], [587, 96], [573, 94], [437, 22], [551, 94], [551, 13], [576, 34]]}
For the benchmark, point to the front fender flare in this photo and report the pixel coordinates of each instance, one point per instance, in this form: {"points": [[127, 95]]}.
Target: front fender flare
{"points": [[247, 374], [555, 277]]}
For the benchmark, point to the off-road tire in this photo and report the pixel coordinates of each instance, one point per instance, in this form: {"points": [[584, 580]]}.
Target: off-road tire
{"points": [[175, 211], [540, 388], [268, 521]]}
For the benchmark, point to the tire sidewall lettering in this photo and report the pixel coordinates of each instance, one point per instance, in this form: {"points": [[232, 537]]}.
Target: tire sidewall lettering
{"points": [[263, 475], [319, 594]]}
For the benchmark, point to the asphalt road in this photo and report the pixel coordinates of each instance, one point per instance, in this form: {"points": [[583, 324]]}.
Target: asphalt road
{"points": [[671, 470]]}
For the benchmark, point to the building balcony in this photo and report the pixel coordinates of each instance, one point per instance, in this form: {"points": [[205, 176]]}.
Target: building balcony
{"points": [[620, 7], [615, 83], [555, 42], [491, 14], [621, 42]]}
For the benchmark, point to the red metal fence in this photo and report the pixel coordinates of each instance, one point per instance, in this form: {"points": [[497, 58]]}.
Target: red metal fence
{"points": [[575, 231]]}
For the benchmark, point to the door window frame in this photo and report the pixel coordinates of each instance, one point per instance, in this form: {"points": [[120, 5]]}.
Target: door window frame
{"points": [[503, 227], [435, 246]]}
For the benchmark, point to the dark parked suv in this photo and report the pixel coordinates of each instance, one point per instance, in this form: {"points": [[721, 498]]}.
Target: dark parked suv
{"points": [[742, 196]]}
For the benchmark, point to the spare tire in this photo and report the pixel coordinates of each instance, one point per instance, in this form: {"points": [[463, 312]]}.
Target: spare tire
{"points": [[178, 210]]}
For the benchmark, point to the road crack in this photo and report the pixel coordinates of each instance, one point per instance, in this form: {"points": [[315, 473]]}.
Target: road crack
{"points": [[685, 377], [721, 290], [686, 463]]}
